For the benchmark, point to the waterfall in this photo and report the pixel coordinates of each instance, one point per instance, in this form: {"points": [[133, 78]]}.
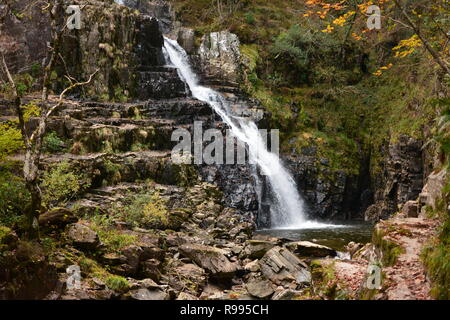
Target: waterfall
{"points": [[286, 208]]}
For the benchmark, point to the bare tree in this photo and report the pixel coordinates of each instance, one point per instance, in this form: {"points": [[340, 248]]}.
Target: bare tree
{"points": [[33, 147]]}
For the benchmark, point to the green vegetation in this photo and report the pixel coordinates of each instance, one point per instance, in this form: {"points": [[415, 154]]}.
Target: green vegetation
{"points": [[117, 283], [14, 199], [10, 139], [146, 209], [53, 143], [436, 257], [61, 184], [389, 249]]}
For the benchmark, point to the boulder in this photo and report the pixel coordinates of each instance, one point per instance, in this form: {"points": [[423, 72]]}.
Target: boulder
{"points": [[186, 39], [411, 209], [131, 256], [57, 218], [310, 249], [220, 56], [256, 249], [212, 259], [83, 237], [282, 267], [259, 288]]}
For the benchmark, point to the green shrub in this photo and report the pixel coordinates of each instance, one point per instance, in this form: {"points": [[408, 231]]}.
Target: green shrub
{"points": [[10, 139], [14, 198], [308, 55], [117, 283], [53, 143], [61, 184], [146, 209]]}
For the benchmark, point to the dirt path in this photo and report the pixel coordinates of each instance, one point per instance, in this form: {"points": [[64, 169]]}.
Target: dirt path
{"points": [[406, 279]]}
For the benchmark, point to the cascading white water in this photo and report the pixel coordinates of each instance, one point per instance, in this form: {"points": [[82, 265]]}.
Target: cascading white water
{"points": [[287, 209]]}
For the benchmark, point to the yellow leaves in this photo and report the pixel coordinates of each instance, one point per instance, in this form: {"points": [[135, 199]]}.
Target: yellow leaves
{"points": [[363, 6], [340, 21], [10, 139], [407, 46], [30, 110], [380, 70], [325, 7], [329, 29]]}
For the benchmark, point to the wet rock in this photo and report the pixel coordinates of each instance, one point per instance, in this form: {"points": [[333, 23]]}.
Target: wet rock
{"points": [[161, 83], [211, 259], [83, 237], [259, 288], [186, 39], [57, 218], [310, 249], [282, 267]]}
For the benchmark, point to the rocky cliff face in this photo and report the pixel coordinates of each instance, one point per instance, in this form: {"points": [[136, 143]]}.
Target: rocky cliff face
{"points": [[124, 45], [401, 179]]}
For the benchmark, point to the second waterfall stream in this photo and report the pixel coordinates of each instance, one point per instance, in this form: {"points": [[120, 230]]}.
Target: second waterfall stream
{"points": [[286, 208]]}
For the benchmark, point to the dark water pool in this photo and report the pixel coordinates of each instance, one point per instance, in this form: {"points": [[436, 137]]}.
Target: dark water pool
{"points": [[334, 237]]}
